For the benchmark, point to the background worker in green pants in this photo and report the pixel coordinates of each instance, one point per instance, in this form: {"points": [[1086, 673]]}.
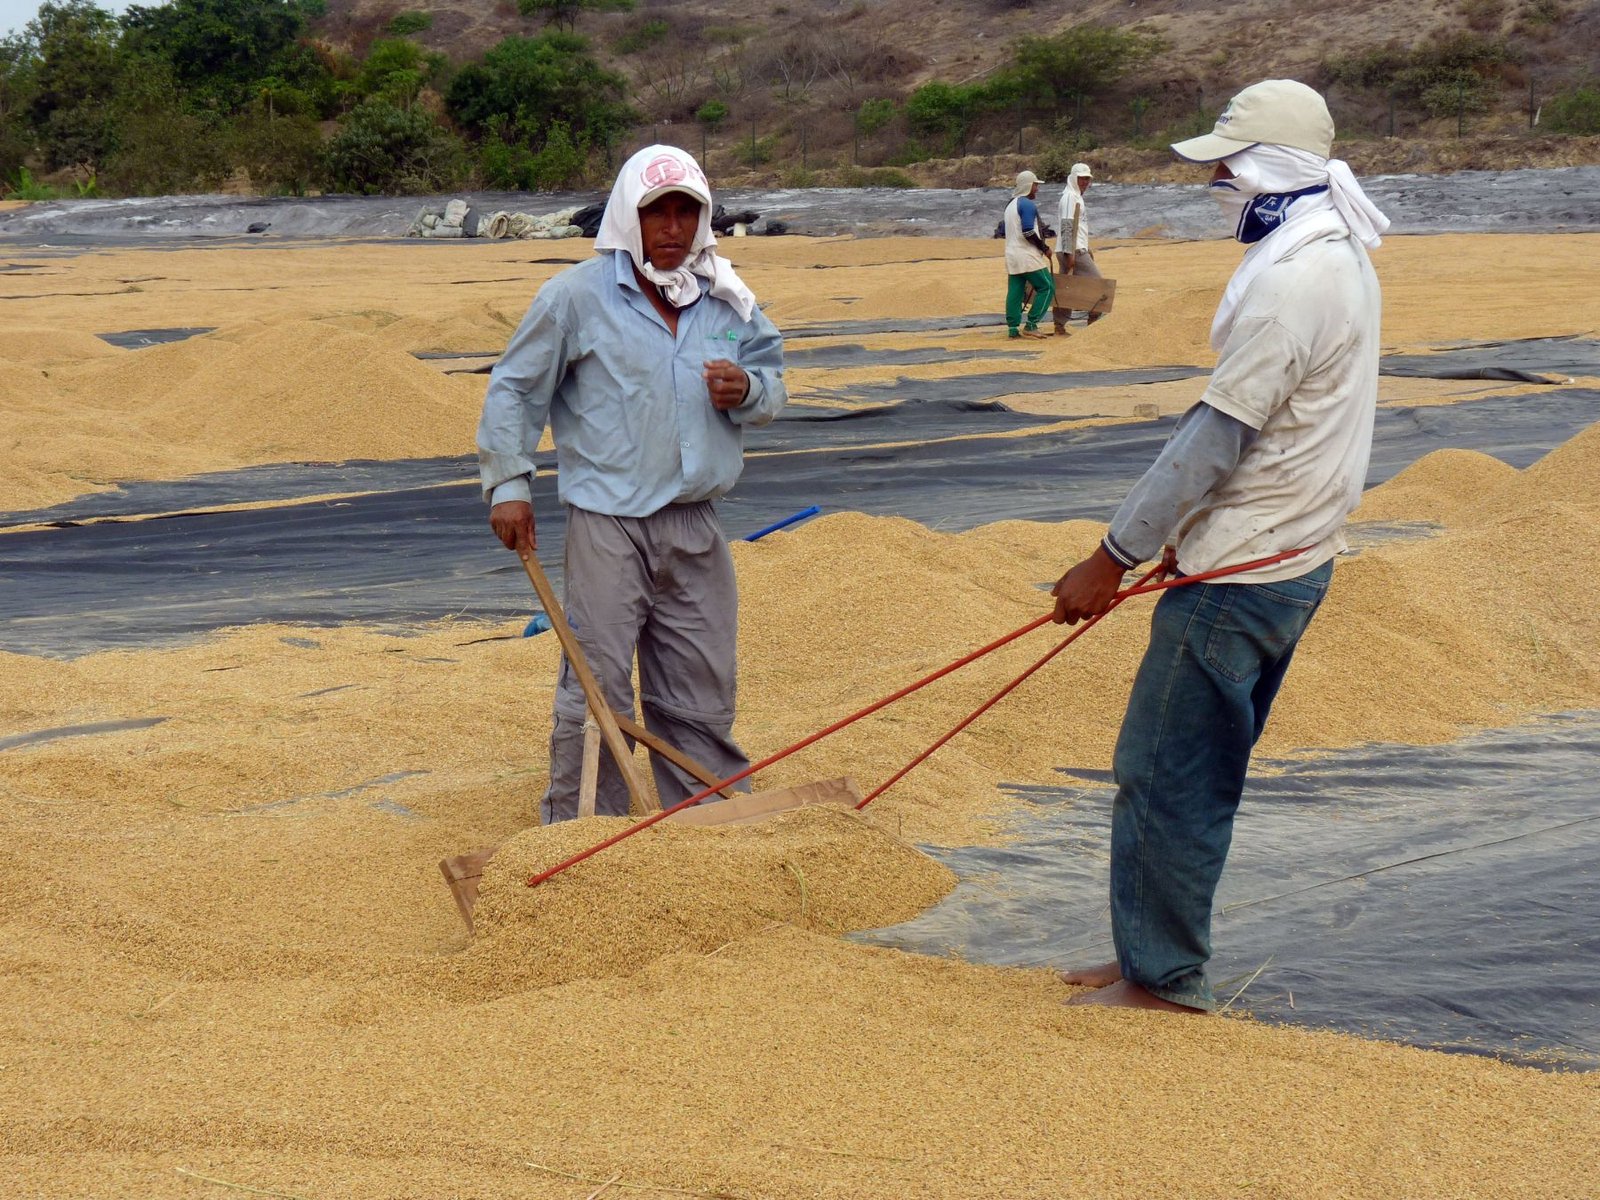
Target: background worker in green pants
{"points": [[1027, 259]]}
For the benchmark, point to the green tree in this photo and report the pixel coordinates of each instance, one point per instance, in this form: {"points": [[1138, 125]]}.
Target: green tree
{"points": [[948, 111], [873, 115], [411, 22], [396, 69], [560, 163], [1448, 74], [280, 152], [156, 147], [1081, 61], [383, 149], [17, 86], [1576, 111], [528, 83], [504, 164], [711, 114], [564, 14], [75, 54], [217, 49]]}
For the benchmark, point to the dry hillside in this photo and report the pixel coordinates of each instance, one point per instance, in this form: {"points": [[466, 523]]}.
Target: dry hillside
{"points": [[885, 46], [797, 72]]}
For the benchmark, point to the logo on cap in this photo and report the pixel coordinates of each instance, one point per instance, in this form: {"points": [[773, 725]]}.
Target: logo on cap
{"points": [[664, 171]]}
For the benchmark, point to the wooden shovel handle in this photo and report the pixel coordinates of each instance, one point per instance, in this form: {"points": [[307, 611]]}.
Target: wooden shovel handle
{"points": [[641, 800], [672, 754]]}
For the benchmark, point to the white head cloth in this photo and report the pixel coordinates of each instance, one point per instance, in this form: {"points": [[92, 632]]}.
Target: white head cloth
{"points": [[652, 172], [1266, 169], [1079, 171]]}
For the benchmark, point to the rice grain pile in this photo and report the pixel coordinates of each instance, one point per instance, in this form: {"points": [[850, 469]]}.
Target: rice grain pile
{"points": [[227, 960], [675, 889]]}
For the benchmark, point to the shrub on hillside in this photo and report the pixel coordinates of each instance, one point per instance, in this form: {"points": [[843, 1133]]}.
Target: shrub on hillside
{"points": [[640, 37], [407, 23], [880, 177], [1065, 147], [529, 83], [1577, 111], [282, 154], [384, 149], [1082, 61]]}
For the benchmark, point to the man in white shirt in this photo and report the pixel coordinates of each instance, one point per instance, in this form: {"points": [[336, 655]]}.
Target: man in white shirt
{"points": [[1027, 259], [1271, 459], [1072, 240]]}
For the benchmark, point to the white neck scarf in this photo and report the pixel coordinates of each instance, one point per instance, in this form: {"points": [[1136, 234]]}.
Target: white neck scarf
{"points": [[1273, 170], [652, 169]]}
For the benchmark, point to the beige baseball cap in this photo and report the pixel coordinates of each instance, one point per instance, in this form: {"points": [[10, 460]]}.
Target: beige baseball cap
{"points": [[1279, 112], [1025, 182]]}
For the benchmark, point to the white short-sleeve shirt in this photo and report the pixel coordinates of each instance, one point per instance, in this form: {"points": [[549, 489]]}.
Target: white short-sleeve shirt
{"points": [[1301, 366]]}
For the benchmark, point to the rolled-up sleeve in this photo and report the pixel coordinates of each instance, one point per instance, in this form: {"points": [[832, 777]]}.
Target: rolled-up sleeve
{"points": [[1261, 365], [523, 384], [761, 358]]}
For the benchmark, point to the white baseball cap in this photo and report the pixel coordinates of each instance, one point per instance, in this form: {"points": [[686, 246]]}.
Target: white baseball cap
{"points": [[671, 170], [1025, 182], [1279, 112]]}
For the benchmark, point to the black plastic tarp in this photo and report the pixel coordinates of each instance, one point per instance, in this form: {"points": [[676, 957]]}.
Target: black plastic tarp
{"points": [[1531, 360], [415, 553], [1523, 201], [1447, 896]]}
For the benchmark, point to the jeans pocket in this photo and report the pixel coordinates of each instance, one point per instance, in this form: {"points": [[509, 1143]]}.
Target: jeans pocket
{"points": [[1306, 591], [1257, 624]]}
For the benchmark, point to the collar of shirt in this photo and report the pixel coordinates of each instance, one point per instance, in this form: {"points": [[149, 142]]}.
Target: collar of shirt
{"points": [[622, 268]]}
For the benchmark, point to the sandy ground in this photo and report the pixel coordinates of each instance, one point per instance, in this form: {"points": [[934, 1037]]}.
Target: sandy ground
{"points": [[227, 952]]}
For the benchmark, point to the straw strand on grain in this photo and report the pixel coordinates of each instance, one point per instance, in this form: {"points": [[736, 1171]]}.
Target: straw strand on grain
{"points": [[616, 1181], [238, 1187]]}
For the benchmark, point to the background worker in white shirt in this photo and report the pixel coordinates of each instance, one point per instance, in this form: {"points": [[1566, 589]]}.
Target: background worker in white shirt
{"points": [[1072, 239], [1271, 459], [1027, 259]]}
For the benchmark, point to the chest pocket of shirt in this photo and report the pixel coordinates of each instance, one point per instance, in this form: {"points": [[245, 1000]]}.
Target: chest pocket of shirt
{"points": [[723, 343]]}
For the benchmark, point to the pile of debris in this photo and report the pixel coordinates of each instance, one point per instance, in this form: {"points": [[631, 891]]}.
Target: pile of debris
{"points": [[458, 219]]}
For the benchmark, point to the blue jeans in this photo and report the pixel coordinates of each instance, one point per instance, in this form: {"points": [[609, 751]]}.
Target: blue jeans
{"points": [[1217, 656]]}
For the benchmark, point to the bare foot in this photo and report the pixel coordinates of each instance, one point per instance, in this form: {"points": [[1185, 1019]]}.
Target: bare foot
{"points": [[1125, 994], [1095, 977]]}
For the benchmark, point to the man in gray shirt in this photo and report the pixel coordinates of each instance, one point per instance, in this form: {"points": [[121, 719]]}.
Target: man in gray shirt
{"points": [[648, 361]]}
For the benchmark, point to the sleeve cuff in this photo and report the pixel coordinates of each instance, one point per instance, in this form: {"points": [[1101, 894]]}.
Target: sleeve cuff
{"points": [[1231, 408], [511, 490], [753, 397], [1118, 555]]}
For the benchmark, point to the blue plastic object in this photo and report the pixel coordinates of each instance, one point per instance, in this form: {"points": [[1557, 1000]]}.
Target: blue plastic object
{"points": [[785, 523], [539, 624]]}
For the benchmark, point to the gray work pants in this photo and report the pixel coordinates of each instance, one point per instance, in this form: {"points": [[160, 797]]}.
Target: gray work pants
{"points": [[1083, 265], [660, 586]]}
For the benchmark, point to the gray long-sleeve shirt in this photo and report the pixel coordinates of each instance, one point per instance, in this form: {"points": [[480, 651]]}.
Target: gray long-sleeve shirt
{"points": [[1204, 449]]}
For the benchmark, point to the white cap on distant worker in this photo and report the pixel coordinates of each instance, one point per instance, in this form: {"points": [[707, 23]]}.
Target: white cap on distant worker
{"points": [[1278, 112], [1025, 182]]}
